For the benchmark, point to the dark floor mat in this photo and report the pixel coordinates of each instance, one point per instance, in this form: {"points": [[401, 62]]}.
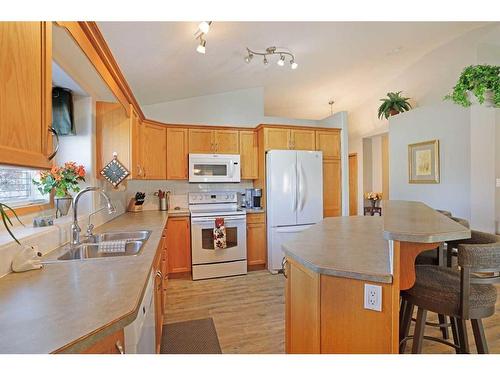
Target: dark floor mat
{"points": [[190, 337]]}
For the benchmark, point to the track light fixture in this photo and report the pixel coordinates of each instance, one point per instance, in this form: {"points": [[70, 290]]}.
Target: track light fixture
{"points": [[283, 53], [203, 29]]}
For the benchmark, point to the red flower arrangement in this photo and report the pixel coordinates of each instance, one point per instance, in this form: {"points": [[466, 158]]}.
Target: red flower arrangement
{"points": [[61, 179]]}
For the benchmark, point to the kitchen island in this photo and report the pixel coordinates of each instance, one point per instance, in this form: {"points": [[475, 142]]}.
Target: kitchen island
{"points": [[328, 266]]}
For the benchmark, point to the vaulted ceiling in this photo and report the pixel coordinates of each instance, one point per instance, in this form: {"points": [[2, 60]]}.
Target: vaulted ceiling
{"points": [[344, 61]]}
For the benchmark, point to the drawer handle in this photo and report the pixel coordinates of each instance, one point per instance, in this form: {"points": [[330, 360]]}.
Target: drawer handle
{"points": [[119, 346], [53, 131]]}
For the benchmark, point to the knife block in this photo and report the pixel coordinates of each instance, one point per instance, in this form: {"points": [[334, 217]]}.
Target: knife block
{"points": [[133, 207]]}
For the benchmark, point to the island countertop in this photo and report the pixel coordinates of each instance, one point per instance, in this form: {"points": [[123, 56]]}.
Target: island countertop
{"points": [[69, 305], [357, 247]]}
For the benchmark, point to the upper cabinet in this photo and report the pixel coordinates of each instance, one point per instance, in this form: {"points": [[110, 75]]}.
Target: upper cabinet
{"points": [[26, 93], [328, 141], [153, 151], [177, 154], [249, 155], [206, 141], [280, 138]]}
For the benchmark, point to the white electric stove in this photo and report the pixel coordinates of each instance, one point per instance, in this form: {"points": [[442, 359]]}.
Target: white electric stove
{"points": [[207, 261]]}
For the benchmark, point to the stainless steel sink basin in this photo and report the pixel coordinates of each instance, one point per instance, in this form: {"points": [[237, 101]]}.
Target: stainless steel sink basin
{"points": [[138, 235], [93, 250]]}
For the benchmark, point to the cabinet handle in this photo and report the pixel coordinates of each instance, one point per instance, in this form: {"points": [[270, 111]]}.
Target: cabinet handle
{"points": [[119, 346], [283, 267], [53, 131], [139, 170]]}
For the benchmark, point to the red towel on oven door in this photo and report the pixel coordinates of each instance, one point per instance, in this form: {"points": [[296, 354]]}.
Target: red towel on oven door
{"points": [[219, 234]]}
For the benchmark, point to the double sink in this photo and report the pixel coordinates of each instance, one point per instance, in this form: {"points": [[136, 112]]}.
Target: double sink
{"points": [[101, 246]]}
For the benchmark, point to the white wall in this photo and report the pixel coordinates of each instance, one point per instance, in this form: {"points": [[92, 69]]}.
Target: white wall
{"points": [[376, 163], [450, 124]]}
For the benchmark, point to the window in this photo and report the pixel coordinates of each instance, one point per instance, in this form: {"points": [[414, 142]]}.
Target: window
{"points": [[17, 188]]}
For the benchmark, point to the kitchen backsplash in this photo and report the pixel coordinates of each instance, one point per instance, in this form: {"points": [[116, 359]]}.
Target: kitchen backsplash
{"points": [[178, 189]]}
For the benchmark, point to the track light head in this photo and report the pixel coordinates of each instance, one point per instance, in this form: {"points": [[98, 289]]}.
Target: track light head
{"points": [[201, 47], [249, 58], [265, 61], [204, 26], [293, 64], [281, 61]]}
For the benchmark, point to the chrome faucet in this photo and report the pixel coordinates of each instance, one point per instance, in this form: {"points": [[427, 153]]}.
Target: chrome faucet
{"points": [[75, 228]]}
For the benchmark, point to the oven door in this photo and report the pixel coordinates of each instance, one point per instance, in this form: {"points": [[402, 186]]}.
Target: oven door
{"points": [[202, 240], [214, 168]]}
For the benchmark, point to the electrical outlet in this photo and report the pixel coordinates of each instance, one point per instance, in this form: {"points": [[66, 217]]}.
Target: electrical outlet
{"points": [[373, 297]]}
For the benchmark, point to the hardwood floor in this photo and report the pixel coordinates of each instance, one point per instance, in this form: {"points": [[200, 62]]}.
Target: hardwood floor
{"points": [[248, 312]]}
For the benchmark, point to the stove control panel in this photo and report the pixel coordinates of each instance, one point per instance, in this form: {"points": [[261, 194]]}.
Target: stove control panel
{"points": [[213, 197]]}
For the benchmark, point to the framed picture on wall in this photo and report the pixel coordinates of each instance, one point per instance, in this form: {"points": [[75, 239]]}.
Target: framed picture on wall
{"points": [[423, 162]]}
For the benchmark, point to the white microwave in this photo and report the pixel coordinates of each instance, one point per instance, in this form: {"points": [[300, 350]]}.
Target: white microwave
{"points": [[214, 168]]}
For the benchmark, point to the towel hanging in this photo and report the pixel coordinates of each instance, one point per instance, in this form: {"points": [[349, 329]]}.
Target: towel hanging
{"points": [[219, 234]]}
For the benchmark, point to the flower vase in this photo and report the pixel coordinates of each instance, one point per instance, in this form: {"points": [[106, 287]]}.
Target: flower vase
{"points": [[373, 202], [63, 205]]}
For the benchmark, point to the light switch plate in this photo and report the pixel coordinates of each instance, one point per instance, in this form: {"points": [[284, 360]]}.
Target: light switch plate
{"points": [[373, 297]]}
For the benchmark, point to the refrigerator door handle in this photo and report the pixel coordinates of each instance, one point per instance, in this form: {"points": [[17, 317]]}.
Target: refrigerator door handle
{"points": [[295, 192], [302, 187]]}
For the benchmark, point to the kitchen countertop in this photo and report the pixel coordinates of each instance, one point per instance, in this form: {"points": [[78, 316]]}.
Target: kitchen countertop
{"points": [[357, 246], [255, 210], [67, 306], [179, 213]]}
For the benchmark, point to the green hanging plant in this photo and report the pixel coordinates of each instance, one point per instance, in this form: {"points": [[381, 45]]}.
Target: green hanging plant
{"points": [[480, 80], [6, 219], [393, 104]]}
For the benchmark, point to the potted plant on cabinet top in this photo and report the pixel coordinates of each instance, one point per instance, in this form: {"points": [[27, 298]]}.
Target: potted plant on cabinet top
{"points": [[61, 180], [393, 104], [477, 84]]}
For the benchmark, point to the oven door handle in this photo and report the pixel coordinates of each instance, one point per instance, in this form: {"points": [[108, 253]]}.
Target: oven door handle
{"points": [[212, 219]]}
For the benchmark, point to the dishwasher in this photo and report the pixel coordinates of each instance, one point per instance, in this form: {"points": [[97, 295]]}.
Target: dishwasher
{"points": [[140, 334]]}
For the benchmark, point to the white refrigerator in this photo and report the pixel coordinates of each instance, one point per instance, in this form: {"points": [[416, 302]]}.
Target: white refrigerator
{"points": [[294, 198]]}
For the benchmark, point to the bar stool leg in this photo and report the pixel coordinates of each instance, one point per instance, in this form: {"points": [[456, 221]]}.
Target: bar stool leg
{"points": [[454, 332], [418, 335], [404, 328], [444, 330], [463, 337], [402, 308], [479, 337]]}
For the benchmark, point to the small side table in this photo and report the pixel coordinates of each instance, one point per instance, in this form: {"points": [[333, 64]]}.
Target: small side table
{"points": [[372, 211]]}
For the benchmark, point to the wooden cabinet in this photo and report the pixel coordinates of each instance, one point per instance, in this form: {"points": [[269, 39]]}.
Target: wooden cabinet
{"points": [[205, 141], [302, 139], [249, 155], [178, 245], [328, 141], [113, 343], [332, 188], [177, 154], [153, 151], [26, 93], [256, 241], [201, 141], [276, 139]]}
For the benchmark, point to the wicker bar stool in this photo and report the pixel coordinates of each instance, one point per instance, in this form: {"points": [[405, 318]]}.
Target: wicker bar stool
{"points": [[465, 294], [476, 238]]}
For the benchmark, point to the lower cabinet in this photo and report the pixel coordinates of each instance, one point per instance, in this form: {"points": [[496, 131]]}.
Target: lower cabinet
{"points": [[114, 343], [256, 241], [178, 243]]}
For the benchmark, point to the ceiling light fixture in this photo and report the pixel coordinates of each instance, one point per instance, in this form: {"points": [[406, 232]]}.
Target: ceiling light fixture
{"points": [[204, 26], [283, 53], [203, 29], [201, 47]]}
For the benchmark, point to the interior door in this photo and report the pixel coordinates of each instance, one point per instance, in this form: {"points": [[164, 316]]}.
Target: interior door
{"points": [[281, 187], [309, 187]]}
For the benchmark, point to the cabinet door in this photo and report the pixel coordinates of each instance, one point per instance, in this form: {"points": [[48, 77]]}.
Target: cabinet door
{"points": [[201, 141], [303, 139], [154, 151], [256, 244], [276, 139], [328, 141], [226, 142], [135, 125], [112, 135], [25, 93], [332, 188], [177, 154], [158, 304], [178, 245], [249, 155]]}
